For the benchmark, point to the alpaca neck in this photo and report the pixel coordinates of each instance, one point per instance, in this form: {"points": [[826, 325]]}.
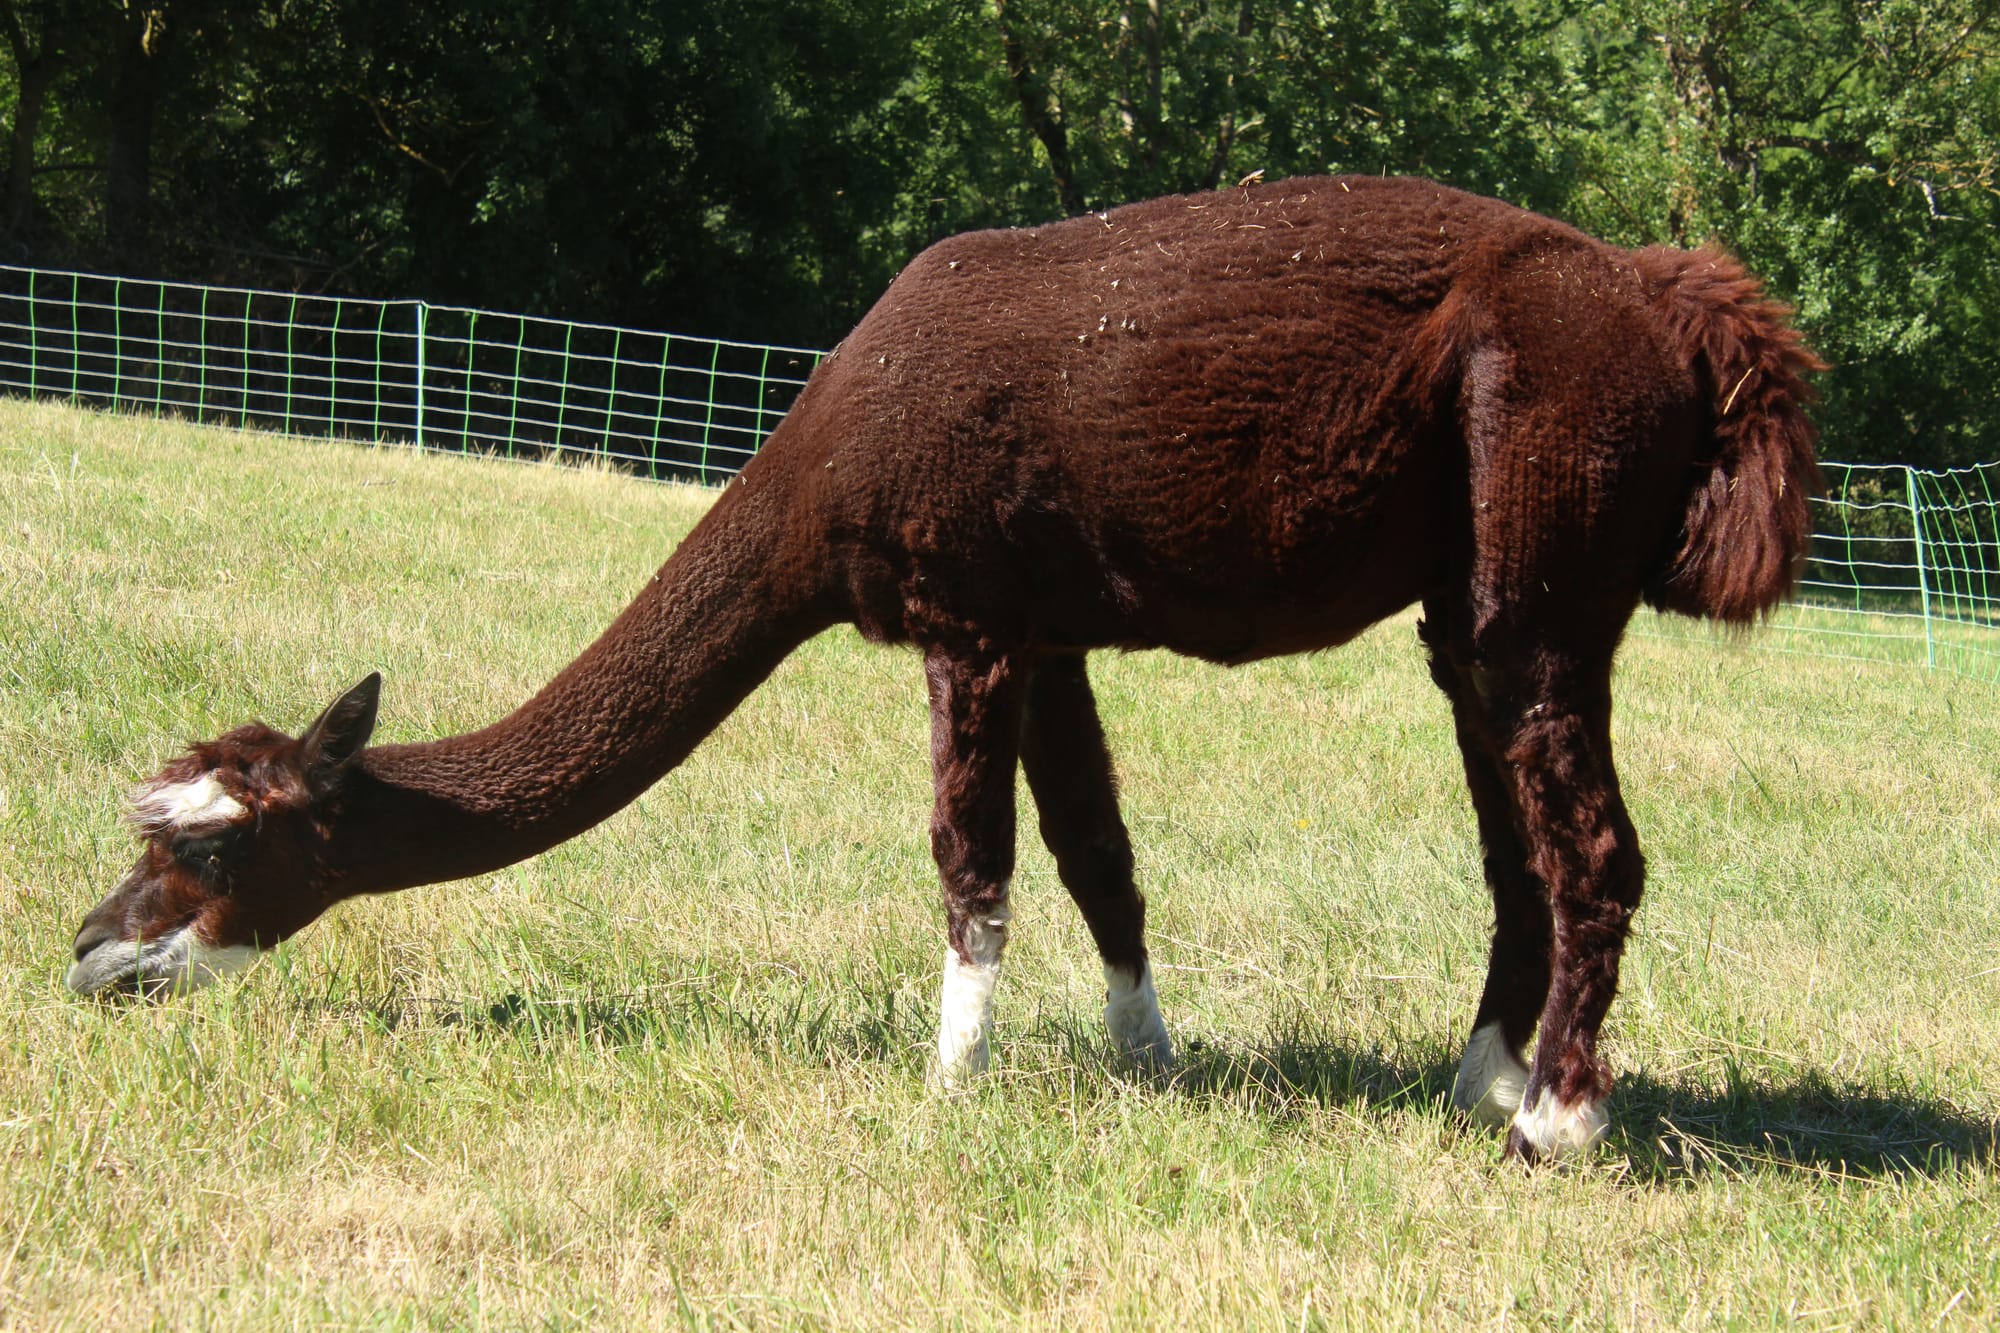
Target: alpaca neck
{"points": [[735, 598]]}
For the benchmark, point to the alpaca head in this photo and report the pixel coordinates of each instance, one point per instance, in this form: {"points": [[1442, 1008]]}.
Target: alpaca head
{"points": [[232, 860]]}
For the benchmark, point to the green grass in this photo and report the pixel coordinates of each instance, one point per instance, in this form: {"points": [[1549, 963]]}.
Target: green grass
{"points": [[671, 1074]]}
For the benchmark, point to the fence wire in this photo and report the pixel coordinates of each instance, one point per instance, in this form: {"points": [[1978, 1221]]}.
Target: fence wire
{"points": [[441, 377], [1904, 567]]}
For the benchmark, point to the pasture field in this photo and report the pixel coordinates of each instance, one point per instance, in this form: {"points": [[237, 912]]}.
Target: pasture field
{"points": [[670, 1075]]}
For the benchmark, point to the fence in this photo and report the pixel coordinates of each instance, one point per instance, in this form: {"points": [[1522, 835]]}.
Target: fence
{"points": [[1905, 565], [442, 377]]}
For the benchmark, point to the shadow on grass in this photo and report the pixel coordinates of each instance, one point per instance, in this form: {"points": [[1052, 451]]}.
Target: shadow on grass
{"points": [[1667, 1129], [676, 1014]]}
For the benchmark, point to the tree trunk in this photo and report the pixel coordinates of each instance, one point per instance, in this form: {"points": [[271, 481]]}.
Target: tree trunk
{"points": [[36, 65], [1044, 120], [136, 79], [1225, 132], [19, 201], [1143, 113]]}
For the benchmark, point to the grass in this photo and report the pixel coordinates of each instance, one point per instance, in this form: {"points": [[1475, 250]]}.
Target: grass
{"points": [[670, 1074]]}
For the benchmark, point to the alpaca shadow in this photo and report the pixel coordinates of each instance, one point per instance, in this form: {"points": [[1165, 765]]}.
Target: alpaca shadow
{"points": [[814, 1030], [1666, 1129]]}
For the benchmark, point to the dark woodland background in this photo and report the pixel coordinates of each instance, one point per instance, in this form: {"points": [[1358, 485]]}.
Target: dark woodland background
{"points": [[759, 169]]}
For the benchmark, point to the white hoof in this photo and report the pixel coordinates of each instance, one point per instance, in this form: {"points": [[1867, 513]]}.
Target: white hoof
{"points": [[1555, 1130], [965, 1009], [965, 1021], [1491, 1078], [1132, 1015]]}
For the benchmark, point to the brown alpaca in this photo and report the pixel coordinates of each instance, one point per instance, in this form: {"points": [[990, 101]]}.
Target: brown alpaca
{"points": [[1233, 425]]}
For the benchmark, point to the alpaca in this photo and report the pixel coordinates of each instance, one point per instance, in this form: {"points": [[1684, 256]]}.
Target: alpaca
{"points": [[1232, 425]]}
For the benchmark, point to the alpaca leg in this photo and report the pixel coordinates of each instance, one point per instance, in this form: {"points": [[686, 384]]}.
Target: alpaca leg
{"points": [[1581, 845], [1076, 794], [976, 698], [1491, 1073]]}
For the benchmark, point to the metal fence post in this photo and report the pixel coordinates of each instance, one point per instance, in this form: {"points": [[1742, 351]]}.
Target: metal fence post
{"points": [[562, 394], [333, 372], [75, 337], [291, 356], [243, 419], [471, 355], [201, 352], [1923, 578], [117, 341], [160, 354], [514, 398], [660, 401], [611, 392], [423, 313], [708, 422]]}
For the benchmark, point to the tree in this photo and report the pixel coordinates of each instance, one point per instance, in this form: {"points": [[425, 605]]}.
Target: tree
{"points": [[41, 40], [1849, 151], [761, 168]]}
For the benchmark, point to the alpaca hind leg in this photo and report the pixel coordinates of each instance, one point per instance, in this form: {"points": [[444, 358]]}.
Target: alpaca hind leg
{"points": [[1581, 845], [1491, 1073], [975, 700], [1076, 795]]}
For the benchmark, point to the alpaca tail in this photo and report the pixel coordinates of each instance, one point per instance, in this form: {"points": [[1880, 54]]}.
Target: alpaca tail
{"points": [[1747, 524]]}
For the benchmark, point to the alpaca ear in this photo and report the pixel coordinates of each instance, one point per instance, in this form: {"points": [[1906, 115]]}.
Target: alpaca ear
{"points": [[338, 734]]}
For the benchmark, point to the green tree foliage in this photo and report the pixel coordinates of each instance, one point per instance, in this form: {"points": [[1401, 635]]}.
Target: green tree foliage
{"points": [[1150, 97], [1849, 151], [761, 168]]}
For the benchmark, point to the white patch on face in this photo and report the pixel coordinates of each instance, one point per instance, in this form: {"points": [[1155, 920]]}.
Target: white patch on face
{"points": [[181, 961], [1556, 1130], [965, 1011], [187, 807], [1132, 1014], [1491, 1078]]}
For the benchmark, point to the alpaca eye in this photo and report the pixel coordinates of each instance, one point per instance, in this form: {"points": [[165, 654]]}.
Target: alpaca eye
{"points": [[208, 854]]}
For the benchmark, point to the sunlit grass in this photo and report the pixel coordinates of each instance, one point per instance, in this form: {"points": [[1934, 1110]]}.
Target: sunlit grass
{"points": [[671, 1074]]}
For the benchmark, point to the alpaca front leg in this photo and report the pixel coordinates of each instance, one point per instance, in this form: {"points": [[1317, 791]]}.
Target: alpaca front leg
{"points": [[965, 1009], [1132, 1017], [976, 700], [1076, 793]]}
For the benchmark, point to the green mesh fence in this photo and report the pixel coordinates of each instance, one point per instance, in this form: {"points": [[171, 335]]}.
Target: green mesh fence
{"points": [[663, 405], [1905, 565]]}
